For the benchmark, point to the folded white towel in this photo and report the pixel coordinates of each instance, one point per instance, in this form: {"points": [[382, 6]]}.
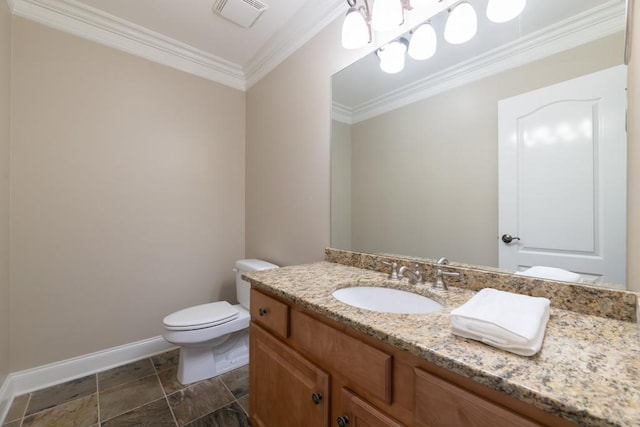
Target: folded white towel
{"points": [[509, 321], [550, 273]]}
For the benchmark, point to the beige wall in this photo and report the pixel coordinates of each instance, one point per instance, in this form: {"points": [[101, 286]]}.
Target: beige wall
{"points": [[425, 185], [633, 169], [5, 119], [128, 195], [340, 185], [288, 132]]}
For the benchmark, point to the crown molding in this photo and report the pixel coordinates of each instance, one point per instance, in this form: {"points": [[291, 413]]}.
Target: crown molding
{"points": [[306, 23], [84, 21], [341, 113], [81, 20], [583, 28]]}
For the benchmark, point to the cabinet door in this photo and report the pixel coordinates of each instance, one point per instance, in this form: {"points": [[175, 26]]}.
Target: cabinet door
{"points": [[439, 403], [285, 388], [360, 413]]}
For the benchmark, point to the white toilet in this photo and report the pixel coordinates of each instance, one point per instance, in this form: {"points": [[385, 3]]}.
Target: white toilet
{"points": [[214, 338]]}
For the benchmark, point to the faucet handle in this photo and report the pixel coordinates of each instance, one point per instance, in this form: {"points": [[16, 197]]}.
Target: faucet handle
{"points": [[393, 275]]}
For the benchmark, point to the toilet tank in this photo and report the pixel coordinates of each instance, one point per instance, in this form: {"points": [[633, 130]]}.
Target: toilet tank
{"points": [[242, 286]]}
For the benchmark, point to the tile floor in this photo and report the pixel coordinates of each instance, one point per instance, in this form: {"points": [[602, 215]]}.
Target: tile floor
{"points": [[142, 393]]}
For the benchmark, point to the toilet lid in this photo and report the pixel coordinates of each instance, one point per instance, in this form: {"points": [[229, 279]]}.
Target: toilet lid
{"points": [[201, 316]]}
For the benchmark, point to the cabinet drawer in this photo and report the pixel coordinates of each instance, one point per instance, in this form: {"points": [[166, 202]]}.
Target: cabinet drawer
{"points": [[439, 403], [270, 313], [366, 367], [358, 412]]}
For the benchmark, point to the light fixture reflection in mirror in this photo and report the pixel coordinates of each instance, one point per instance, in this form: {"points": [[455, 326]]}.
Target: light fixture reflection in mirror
{"points": [[462, 24], [424, 42], [392, 56]]}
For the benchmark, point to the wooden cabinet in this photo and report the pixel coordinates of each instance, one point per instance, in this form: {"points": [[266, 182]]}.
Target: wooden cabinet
{"points": [[307, 370], [357, 412], [286, 389], [442, 404]]}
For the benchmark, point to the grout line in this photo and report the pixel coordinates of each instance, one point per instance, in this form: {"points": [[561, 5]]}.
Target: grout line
{"points": [[98, 396], [24, 412], [132, 409], [164, 393]]}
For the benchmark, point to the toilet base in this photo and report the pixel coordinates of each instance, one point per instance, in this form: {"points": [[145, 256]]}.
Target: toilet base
{"points": [[225, 354]]}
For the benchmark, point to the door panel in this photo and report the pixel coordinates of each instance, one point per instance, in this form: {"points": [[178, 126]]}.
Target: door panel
{"points": [[562, 177]]}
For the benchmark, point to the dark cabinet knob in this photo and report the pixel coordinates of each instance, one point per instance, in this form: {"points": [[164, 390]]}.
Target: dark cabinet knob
{"points": [[316, 397], [343, 420], [262, 311]]}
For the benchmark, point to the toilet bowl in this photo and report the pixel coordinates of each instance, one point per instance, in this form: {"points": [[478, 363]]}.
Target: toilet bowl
{"points": [[213, 338]]}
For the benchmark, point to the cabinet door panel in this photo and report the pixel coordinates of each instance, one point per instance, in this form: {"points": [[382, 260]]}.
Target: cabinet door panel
{"points": [[360, 413], [439, 403], [282, 385]]}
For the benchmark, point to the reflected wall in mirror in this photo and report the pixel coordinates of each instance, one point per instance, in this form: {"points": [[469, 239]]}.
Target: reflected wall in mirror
{"points": [[414, 163]]}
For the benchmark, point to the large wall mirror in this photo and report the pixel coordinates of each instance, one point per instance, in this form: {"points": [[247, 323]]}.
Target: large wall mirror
{"points": [[415, 155]]}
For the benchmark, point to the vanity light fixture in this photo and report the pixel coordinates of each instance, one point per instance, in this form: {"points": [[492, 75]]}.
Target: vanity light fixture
{"points": [[387, 14], [392, 56], [424, 42], [499, 11], [462, 24], [356, 31]]}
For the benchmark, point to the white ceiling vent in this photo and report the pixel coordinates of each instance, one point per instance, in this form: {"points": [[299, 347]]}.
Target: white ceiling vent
{"points": [[241, 12]]}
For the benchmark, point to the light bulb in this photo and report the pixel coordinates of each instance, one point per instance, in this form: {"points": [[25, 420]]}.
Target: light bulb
{"points": [[499, 11], [355, 31], [423, 42], [462, 24], [386, 14], [420, 4], [392, 57]]}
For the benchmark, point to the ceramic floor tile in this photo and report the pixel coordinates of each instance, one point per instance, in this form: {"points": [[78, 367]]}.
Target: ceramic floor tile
{"points": [[124, 374], [199, 400], [120, 399], [13, 424], [231, 416], [237, 381], [154, 414], [169, 380], [81, 412], [56, 395], [16, 411], [244, 402], [166, 360]]}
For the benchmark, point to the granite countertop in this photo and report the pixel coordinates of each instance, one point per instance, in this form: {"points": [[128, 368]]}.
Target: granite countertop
{"points": [[588, 370]]}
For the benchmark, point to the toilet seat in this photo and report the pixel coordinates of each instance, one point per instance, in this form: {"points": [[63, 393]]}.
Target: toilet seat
{"points": [[201, 316]]}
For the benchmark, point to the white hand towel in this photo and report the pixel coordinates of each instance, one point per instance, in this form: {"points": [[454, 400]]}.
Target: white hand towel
{"points": [[509, 321], [550, 273]]}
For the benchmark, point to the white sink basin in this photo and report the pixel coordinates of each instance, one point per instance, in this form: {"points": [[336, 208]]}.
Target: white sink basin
{"points": [[386, 300]]}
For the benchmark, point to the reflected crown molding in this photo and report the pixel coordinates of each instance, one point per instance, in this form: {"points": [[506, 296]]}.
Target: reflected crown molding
{"points": [[89, 23], [591, 25]]}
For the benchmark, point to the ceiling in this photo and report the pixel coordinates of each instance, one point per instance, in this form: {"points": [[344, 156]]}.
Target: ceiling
{"points": [[188, 35]]}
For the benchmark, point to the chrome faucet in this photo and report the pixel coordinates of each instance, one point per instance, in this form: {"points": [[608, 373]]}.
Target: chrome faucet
{"points": [[414, 276], [440, 273]]}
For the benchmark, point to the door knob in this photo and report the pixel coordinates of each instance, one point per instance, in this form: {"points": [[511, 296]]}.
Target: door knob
{"points": [[507, 238], [343, 420], [316, 398], [262, 311]]}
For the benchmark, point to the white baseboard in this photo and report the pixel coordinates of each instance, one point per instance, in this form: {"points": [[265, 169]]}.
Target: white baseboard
{"points": [[21, 382]]}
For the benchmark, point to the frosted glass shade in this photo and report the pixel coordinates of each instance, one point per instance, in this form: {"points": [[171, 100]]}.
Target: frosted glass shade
{"points": [[392, 57], [423, 42], [499, 11], [386, 14], [420, 4], [355, 31], [462, 24]]}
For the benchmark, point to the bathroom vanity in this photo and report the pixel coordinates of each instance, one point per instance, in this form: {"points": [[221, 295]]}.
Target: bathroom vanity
{"points": [[318, 362]]}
